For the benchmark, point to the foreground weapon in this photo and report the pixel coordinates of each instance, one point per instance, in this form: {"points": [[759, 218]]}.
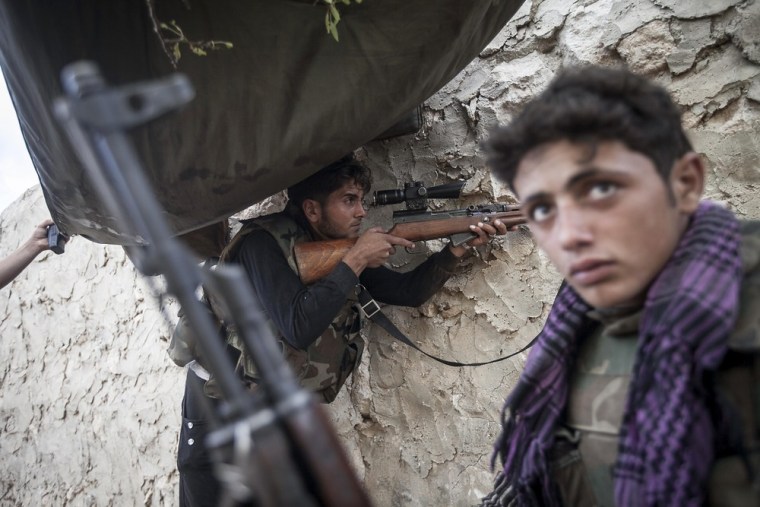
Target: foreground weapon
{"points": [[275, 445]]}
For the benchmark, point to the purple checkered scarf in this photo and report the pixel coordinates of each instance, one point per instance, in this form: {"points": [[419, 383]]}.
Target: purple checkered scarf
{"points": [[667, 436]]}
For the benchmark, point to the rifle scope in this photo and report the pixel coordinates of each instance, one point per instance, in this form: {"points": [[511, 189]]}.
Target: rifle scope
{"points": [[415, 194]]}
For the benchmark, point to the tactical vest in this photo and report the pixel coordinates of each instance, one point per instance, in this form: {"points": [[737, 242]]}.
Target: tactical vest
{"points": [[326, 364]]}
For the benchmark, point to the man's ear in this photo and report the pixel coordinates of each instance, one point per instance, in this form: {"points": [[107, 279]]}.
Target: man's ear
{"points": [[312, 210], [687, 180]]}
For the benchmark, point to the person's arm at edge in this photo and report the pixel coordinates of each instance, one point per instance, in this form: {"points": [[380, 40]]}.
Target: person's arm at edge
{"points": [[12, 265]]}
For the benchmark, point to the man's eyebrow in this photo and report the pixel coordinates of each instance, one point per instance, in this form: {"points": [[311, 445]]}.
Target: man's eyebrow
{"points": [[572, 182], [582, 176], [538, 196]]}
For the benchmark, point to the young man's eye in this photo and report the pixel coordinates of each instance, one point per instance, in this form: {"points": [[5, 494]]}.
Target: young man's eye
{"points": [[602, 189], [539, 212]]}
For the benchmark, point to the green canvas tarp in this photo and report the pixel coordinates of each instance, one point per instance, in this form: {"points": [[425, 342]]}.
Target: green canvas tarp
{"points": [[283, 101]]}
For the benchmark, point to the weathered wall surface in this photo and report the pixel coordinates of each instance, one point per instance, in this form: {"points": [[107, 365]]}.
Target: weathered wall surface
{"points": [[89, 402]]}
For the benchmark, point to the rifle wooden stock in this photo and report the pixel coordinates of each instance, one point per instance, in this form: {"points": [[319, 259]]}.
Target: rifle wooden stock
{"points": [[315, 259]]}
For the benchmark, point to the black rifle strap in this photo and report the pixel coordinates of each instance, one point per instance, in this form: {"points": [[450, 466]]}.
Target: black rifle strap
{"points": [[372, 311]]}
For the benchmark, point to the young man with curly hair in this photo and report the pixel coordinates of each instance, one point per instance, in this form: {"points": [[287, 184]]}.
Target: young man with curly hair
{"points": [[642, 388]]}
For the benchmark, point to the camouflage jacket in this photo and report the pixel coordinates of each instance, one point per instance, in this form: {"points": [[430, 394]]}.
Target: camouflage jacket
{"points": [[586, 447]]}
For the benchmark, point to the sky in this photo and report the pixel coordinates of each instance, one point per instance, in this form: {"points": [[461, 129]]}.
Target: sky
{"points": [[16, 169]]}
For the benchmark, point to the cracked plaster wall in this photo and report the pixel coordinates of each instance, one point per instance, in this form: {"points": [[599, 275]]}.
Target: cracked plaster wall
{"points": [[89, 404]]}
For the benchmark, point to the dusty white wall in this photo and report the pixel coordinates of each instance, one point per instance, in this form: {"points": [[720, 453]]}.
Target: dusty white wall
{"points": [[89, 401]]}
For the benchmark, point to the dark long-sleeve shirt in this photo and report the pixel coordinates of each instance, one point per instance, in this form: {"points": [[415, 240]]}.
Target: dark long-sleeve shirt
{"points": [[302, 313]]}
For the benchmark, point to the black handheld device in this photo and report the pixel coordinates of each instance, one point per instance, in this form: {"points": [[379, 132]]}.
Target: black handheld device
{"points": [[56, 239]]}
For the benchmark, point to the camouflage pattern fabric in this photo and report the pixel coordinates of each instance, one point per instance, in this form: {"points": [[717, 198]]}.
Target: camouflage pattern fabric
{"points": [[586, 449], [596, 401], [731, 483], [326, 364]]}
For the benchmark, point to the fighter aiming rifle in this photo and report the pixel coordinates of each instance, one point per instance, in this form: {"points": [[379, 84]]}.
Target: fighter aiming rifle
{"points": [[316, 259]]}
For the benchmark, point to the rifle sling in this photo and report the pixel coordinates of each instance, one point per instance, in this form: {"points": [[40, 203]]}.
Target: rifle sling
{"points": [[372, 311]]}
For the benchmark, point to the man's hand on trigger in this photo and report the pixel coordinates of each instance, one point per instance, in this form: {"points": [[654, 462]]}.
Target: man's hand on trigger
{"points": [[485, 233], [372, 249]]}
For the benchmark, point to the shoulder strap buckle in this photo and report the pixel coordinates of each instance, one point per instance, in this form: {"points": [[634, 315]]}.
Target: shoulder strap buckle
{"points": [[367, 303], [370, 308]]}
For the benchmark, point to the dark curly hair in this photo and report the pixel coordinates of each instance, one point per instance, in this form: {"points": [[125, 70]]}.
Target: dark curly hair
{"points": [[591, 104], [329, 179]]}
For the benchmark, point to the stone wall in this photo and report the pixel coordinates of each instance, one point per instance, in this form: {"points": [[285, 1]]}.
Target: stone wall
{"points": [[88, 399], [89, 402]]}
